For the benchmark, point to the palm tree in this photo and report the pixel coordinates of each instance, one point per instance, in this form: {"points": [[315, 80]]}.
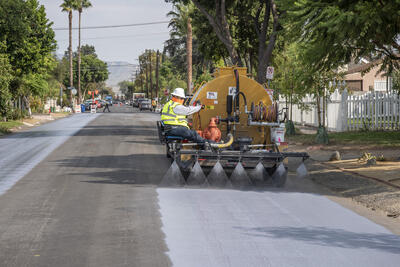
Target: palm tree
{"points": [[81, 4], [69, 6], [181, 32]]}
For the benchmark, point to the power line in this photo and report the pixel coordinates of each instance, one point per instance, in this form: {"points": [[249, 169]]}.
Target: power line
{"points": [[94, 68], [113, 26], [119, 36]]}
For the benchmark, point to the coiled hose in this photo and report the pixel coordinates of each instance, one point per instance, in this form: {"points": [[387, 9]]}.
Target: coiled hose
{"points": [[228, 144]]}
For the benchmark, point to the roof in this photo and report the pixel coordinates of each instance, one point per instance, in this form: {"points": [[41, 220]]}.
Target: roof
{"points": [[363, 67]]}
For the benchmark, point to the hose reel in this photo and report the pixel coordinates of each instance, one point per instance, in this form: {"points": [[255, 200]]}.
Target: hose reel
{"points": [[262, 112]]}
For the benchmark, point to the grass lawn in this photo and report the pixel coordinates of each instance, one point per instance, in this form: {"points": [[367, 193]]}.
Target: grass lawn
{"points": [[356, 138], [6, 126]]}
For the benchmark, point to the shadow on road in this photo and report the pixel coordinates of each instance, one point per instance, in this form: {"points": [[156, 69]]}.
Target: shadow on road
{"points": [[138, 169], [110, 130], [322, 236]]}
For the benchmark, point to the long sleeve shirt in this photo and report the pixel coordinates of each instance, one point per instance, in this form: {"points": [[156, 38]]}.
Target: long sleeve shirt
{"points": [[186, 111]]}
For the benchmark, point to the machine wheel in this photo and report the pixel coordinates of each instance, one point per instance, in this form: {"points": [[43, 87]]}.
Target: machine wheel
{"points": [[185, 166], [167, 151], [271, 170]]}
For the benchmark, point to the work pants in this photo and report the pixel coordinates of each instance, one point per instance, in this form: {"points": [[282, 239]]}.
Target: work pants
{"points": [[186, 133]]}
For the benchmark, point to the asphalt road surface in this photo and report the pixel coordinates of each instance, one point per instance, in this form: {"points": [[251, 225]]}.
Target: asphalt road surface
{"points": [[82, 191]]}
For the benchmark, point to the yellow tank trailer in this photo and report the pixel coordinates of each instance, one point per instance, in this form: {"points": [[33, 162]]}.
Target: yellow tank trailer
{"points": [[214, 96], [250, 125]]}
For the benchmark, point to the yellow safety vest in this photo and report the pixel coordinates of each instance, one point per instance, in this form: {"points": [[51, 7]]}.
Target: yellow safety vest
{"points": [[169, 117]]}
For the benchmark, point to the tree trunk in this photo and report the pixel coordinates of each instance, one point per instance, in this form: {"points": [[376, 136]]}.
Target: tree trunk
{"points": [[264, 50], [151, 75], [71, 77], [157, 78], [189, 56], [79, 61], [324, 108], [319, 109], [221, 28], [141, 81], [28, 105]]}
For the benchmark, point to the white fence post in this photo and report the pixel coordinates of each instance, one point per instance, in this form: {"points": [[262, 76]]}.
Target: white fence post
{"points": [[342, 121], [376, 109]]}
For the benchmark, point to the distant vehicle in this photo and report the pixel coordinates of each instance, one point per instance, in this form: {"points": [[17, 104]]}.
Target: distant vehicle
{"points": [[140, 100], [136, 97], [158, 108], [145, 104], [99, 103], [88, 104]]}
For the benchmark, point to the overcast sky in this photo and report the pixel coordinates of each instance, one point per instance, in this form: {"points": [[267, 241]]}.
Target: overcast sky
{"points": [[115, 44]]}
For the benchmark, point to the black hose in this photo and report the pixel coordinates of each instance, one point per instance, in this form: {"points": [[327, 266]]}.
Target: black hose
{"points": [[237, 89], [236, 102]]}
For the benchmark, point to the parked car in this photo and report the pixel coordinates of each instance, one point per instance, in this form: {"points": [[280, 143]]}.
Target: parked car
{"points": [[99, 103], [88, 104], [145, 105]]}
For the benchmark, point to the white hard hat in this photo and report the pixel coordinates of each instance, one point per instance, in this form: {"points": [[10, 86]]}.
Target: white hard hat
{"points": [[179, 92]]}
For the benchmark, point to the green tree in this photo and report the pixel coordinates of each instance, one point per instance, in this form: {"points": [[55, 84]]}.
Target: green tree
{"points": [[127, 88], [29, 43], [5, 79], [93, 70], [336, 32], [248, 30]]}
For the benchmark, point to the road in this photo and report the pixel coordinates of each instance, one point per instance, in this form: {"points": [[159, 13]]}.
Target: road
{"points": [[82, 191]]}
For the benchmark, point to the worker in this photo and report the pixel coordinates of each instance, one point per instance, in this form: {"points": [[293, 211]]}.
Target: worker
{"points": [[153, 104], [106, 107], [174, 114]]}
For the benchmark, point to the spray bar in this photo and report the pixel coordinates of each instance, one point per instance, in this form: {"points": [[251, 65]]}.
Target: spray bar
{"points": [[248, 155]]}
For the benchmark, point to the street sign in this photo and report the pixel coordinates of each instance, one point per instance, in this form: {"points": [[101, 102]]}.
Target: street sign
{"points": [[78, 109], [93, 109], [270, 73]]}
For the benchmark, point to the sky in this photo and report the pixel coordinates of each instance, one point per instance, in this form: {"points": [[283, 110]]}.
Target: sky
{"points": [[114, 44]]}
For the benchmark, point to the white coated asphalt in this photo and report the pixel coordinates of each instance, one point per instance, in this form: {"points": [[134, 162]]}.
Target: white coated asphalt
{"points": [[206, 227], [21, 152]]}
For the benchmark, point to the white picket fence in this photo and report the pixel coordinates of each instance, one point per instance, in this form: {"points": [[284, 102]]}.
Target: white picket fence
{"points": [[371, 111]]}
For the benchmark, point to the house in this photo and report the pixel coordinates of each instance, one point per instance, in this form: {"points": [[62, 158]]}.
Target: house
{"points": [[365, 76]]}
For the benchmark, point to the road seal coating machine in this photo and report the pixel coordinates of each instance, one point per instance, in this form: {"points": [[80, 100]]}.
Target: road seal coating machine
{"points": [[254, 137]]}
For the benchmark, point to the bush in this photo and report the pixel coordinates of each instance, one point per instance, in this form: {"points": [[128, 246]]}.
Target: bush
{"points": [[16, 114]]}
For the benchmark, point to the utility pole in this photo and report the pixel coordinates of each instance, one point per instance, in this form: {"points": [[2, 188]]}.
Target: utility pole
{"points": [[151, 75], [157, 67], [141, 79], [189, 56], [147, 78], [71, 78]]}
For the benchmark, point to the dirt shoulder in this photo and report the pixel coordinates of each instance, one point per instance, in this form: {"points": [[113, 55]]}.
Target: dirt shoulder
{"points": [[374, 190]]}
